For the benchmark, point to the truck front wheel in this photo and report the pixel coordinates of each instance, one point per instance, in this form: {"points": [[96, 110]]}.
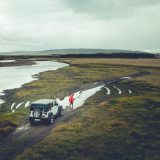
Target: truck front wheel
{"points": [[51, 119]]}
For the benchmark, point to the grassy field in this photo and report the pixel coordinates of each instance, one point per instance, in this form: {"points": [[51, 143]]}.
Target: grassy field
{"points": [[119, 61], [107, 127], [124, 128]]}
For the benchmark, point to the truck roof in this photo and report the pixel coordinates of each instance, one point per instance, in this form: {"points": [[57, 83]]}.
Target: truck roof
{"points": [[43, 101]]}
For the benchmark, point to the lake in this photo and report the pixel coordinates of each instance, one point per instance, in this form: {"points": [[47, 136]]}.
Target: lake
{"points": [[16, 76]]}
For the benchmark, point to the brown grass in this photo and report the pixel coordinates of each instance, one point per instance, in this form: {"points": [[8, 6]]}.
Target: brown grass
{"points": [[119, 61]]}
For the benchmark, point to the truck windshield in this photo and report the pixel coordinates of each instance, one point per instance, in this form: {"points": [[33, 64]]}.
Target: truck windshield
{"points": [[40, 106]]}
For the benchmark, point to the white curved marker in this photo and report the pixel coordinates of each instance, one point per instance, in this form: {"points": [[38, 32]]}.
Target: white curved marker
{"points": [[20, 104], [13, 104], [108, 90], [126, 78], [119, 91], [27, 104]]}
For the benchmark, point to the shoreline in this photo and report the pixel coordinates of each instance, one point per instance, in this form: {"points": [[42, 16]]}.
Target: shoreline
{"points": [[17, 62], [30, 77]]}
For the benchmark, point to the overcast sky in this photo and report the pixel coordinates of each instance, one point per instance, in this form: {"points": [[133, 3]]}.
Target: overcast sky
{"points": [[55, 24]]}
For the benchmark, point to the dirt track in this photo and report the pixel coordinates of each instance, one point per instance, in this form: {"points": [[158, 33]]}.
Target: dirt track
{"points": [[27, 135]]}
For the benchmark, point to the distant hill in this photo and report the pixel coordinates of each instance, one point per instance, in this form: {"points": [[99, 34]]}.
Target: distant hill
{"points": [[70, 51], [18, 53]]}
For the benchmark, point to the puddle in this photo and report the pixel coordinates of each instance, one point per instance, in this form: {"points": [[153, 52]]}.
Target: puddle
{"points": [[22, 128], [108, 90], [6, 61], [126, 78], [119, 91], [13, 104], [19, 105], [27, 104], [80, 97], [130, 91]]}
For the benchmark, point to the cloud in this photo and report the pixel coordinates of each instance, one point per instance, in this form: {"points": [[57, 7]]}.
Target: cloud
{"points": [[39, 25], [108, 8]]}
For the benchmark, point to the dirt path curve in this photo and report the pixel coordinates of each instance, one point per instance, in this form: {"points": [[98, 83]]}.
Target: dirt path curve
{"points": [[27, 135]]}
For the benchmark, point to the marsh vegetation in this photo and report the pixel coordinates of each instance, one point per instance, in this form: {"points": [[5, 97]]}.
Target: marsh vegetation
{"points": [[109, 127]]}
